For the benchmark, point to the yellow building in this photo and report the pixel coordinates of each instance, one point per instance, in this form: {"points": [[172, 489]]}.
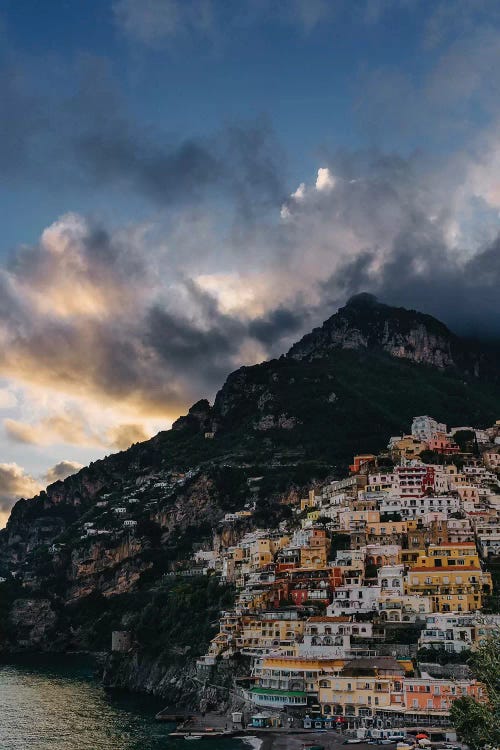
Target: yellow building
{"points": [[383, 529], [460, 589], [409, 447], [262, 551], [449, 555], [313, 515], [313, 557], [311, 501], [403, 608], [358, 693], [260, 633]]}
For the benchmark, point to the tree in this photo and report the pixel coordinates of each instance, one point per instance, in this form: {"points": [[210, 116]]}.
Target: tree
{"points": [[465, 440], [479, 723], [150, 530]]}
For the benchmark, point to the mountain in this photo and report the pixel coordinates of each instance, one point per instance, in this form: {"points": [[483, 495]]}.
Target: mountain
{"points": [[273, 429], [366, 324]]}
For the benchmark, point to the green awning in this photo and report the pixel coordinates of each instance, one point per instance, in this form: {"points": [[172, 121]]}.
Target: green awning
{"points": [[284, 693]]}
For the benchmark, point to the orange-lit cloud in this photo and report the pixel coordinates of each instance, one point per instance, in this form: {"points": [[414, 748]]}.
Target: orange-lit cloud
{"points": [[124, 435], [14, 483]]}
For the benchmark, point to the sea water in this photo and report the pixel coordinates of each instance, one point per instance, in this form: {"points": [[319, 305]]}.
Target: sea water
{"points": [[63, 707]]}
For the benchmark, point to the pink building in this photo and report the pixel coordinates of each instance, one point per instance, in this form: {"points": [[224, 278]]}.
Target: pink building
{"points": [[433, 697]]}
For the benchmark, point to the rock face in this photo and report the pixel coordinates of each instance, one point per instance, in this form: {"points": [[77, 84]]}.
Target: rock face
{"points": [[365, 323], [178, 686], [33, 621]]}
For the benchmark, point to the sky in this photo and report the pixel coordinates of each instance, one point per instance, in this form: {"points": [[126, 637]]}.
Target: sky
{"points": [[190, 185]]}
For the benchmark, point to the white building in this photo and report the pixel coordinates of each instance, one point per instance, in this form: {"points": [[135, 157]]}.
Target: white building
{"points": [[330, 637], [404, 607], [348, 600], [390, 579], [455, 631], [423, 428], [416, 507]]}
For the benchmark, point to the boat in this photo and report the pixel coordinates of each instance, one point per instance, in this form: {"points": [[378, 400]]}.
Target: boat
{"points": [[193, 736]]}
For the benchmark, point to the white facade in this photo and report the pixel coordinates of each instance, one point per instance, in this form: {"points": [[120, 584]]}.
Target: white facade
{"points": [[423, 428], [390, 579], [351, 599], [415, 507]]}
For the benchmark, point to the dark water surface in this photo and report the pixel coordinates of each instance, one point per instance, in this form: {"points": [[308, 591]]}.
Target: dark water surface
{"points": [[64, 708]]}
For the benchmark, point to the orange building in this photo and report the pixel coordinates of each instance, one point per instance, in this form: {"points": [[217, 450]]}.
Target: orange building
{"points": [[360, 461]]}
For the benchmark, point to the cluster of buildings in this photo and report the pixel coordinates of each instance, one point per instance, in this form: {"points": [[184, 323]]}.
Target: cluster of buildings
{"points": [[334, 606], [115, 513]]}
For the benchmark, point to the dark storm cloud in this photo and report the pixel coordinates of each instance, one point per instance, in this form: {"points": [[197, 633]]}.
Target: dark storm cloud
{"points": [[183, 345], [161, 172], [241, 163], [278, 324], [464, 295], [413, 265], [91, 140]]}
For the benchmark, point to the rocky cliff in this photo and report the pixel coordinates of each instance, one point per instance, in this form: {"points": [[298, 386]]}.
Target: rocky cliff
{"points": [[367, 324]]}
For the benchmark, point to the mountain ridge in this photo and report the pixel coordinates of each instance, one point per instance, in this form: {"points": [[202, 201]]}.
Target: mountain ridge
{"points": [[364, 322]]}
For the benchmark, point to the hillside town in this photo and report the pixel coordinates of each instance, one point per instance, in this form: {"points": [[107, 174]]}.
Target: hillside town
{"points": [[361, 610]]}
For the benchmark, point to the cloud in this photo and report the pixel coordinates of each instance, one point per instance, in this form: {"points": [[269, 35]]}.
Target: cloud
{"points": [[153, 22], [92, 140], [61, 428], [61, 470], [100, 317], [449, 103], [325, 181], [8, 399], [159, 23], [76, 428], [278, 324], [123, 436], [15, 483], [405, 230]]}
